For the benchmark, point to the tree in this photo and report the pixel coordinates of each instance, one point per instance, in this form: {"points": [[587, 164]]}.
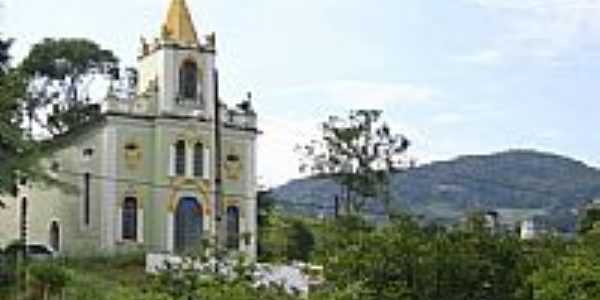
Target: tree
{"points": [[271, 230], [300, 241], [50, 278], [14, 146], [32, 85], [587, 219], [359, 152], [575, 274], [54, 69], [62, 58]]}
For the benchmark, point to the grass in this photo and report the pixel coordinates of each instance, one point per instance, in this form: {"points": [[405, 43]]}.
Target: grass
{"points": [[97, 278]]}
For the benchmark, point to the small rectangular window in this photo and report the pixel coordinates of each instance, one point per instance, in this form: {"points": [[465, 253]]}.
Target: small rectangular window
{"points": [[88, 152], [233, 228], [55, 109], [86, 199], [180, 158], [129, 219], [23, 229], [14, 191], [199, 160]]}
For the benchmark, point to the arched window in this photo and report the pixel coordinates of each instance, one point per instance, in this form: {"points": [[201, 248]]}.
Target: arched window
{"points": [[233, 228], [180, 158], [198, 160], [188, 80], [129, 219], [55, 236]]}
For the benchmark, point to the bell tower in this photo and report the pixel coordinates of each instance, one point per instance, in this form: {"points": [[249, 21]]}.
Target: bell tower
{"points": [[179, 66]]}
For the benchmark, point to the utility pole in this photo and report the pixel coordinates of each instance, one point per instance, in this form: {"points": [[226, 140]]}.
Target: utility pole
{"points": [[218, 164], [336, 206]]}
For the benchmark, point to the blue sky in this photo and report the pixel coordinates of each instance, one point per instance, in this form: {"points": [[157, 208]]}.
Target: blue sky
{"points": [[457, 77]]}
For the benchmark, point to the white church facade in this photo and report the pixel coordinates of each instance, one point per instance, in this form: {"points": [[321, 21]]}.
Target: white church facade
{"points": [[146, 177]]}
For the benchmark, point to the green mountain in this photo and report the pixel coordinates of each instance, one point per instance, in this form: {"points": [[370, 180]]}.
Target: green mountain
{"points": [[519, 184]]}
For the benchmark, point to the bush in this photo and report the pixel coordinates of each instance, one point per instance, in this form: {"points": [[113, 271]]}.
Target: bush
{"points": [[50, 278], [7, 270]]}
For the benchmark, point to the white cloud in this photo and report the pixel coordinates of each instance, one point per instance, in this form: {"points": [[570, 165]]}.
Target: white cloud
{"points": [[547, 30]]}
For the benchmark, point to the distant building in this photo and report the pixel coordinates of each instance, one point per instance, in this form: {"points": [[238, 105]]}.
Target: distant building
{"points": [[533, 228], [528, 230], [492, 221], [487, 220]]}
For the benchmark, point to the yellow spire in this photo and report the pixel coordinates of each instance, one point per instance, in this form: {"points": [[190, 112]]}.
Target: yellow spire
{"points": [[178, 26]]}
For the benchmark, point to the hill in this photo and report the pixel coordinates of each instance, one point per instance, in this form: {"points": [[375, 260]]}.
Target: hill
{"points": [[517, 183]]}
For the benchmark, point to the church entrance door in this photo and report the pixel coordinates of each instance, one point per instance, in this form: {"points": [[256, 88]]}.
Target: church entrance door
{"points": [[189, 225]]}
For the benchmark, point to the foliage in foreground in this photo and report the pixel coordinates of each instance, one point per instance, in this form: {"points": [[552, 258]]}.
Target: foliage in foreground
{"points": [[403, 260], [398, 261]]}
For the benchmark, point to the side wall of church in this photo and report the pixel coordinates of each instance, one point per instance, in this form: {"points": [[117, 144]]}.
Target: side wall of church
{"points": [[61, 204], [9, 220], [240, 185]]}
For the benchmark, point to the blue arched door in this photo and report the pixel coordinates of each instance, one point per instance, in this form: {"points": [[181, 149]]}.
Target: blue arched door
{"points": [[188, 225]]}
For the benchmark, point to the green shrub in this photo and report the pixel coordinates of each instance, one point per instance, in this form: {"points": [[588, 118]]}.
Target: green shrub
{"points": [[49, 277]]}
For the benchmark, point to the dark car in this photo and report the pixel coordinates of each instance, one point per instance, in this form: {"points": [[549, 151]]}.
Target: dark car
{"points": [[34, 251]]}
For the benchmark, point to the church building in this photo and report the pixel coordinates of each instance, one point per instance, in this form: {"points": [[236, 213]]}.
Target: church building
{"points": [[160, 173]]}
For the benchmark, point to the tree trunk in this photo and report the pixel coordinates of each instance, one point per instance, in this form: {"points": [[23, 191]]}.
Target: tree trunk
{"points": [[45, 291]]}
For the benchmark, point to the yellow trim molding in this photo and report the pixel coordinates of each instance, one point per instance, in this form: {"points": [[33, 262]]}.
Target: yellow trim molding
{"points": [[179, 183]]}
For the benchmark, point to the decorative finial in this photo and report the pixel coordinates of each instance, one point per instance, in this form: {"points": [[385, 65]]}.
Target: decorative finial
{"points": [[145, 46], [211, 40]]}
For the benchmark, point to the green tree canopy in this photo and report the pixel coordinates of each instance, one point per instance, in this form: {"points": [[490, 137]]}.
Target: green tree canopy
{"points": [[359, 151], [63, 61], [58, 58], [13, 144]]}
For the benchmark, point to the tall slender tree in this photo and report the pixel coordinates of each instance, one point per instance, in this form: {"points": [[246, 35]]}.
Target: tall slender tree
{"points": [[359, 152], [13, 144]]}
